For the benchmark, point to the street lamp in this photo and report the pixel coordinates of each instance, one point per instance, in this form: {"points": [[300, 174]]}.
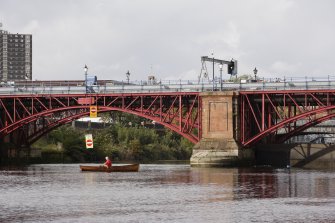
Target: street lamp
{"points": [[220, 66], [26, 78], [213, 70], [255, 73], [85, 69], [128, 76]]}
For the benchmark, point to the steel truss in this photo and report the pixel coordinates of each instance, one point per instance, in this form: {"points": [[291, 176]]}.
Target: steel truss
{"points": [[31, 116], [275, 116]]}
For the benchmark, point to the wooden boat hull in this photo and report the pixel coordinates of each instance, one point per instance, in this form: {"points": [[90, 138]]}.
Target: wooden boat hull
{"points": [[123, 168]]}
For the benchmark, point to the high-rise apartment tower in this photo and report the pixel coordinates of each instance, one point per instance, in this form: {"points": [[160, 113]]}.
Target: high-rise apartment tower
{"points": [[15, 56]]}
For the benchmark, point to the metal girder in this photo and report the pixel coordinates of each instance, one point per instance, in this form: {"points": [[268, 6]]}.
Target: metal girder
{"points": [[275, 116], [40, 113]]}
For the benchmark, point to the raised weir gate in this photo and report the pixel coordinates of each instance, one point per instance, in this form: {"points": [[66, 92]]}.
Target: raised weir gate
{"points": [[229, 128]]}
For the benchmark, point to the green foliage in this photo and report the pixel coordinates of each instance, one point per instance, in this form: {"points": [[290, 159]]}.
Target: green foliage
{"points": [[120, 140]]}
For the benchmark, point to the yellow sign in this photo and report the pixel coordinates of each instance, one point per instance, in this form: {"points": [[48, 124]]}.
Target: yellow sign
{"points": [[93, 111]]}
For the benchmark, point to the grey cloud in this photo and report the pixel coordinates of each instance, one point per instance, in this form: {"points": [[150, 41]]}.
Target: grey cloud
{"points": [[282, 37]]}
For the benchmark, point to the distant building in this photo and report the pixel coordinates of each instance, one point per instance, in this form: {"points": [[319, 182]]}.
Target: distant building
{"points": [[15, 56], [90, 123]]}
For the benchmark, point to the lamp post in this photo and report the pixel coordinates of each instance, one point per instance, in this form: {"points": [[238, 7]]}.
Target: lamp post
{"points": [[85, 69], [26, 78], [255, 73], [128, 76], [220, 66], [213, 70]]}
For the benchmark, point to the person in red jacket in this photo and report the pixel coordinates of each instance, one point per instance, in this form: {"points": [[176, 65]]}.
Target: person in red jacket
{"points": [[108, 163]]}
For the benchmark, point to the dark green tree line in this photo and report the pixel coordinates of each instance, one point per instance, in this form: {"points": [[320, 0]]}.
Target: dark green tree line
{"points": [[125, 140]]}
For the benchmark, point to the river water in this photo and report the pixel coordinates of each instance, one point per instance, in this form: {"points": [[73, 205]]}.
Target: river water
{"points": [[166, 193]]}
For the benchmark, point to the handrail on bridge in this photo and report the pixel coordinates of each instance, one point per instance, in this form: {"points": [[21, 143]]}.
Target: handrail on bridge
{"points": [[109, 86]]}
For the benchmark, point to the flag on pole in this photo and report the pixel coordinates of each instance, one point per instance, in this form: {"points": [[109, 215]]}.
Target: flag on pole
{"points": [[89, 141]]}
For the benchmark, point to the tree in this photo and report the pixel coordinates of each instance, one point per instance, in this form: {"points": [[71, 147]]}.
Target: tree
{"points": [[121, 141]]}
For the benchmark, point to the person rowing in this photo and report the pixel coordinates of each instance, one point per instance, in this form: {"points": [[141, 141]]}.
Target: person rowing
{"points": [[108, 163]]}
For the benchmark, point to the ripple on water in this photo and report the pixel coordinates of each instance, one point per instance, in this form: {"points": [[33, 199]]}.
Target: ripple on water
{"points": [[166, 193]]}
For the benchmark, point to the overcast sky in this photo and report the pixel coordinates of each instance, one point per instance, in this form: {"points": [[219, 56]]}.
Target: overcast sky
{"points": [[168, 37]]}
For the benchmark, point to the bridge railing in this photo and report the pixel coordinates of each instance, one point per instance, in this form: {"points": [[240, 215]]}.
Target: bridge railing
{"points": [[174, 86]]}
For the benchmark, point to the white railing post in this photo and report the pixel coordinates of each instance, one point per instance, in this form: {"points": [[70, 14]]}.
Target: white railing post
{"points": [[284, 82]]}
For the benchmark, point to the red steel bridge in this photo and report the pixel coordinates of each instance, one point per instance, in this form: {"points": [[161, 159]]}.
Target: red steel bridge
{"points": [[275, 116], [25, 118], [264, 116]]}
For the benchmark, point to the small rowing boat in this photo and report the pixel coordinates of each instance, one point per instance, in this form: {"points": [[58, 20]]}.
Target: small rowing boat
{"points": [[123, 168]]}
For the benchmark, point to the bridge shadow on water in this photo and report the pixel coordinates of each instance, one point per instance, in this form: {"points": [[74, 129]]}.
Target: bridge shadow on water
{"points": [[310, 157], [300, 155]]}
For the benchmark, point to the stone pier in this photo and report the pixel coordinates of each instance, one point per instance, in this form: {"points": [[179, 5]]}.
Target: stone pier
{"points": [[11, 152], [218, 146]]}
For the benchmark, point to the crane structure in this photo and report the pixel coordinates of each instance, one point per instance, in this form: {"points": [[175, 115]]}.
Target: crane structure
{"points": [[231, 68]]}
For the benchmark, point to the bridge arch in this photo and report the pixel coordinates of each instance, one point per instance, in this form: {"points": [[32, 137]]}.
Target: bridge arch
{"points": [[278, 116], [36, 135], [179, 112], [305, 126], [310, 123]]}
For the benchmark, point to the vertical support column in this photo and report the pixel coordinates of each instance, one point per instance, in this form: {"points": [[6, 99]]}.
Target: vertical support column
{"points": [[263, 112], [218, 147], [32, 105], [180, 113], [199, 117], [160, 108], [269, 113], [14, 109], [242, 118], [141, 104]]}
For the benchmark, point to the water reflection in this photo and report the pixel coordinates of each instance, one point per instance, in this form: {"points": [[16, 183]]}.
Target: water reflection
{"points": [[259, 182], [165, 193]]}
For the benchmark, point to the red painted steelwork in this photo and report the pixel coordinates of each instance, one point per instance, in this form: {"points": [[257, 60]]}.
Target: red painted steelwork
{"points": [[275, 116], [34, 115]]}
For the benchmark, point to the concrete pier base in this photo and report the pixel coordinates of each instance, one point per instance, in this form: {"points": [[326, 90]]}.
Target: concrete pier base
{"points": [[220, 153]]}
